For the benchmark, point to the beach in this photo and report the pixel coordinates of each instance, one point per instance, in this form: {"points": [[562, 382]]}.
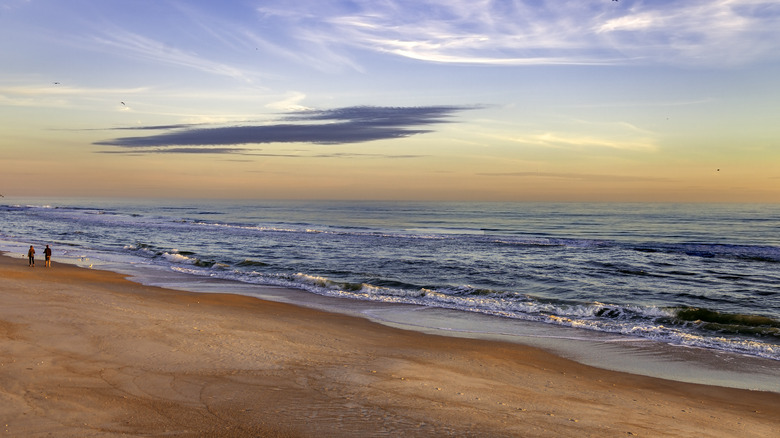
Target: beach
{"points": [[86, 352]]}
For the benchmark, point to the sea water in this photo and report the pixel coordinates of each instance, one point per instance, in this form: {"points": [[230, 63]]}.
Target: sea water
{"points": [[660, 279]]}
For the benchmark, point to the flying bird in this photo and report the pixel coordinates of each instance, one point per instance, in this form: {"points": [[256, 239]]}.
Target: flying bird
{"points": [[122, 103], [56, 83]]}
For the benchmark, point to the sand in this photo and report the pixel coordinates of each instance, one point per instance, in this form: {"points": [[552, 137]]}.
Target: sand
{"points": [[87, 353]]}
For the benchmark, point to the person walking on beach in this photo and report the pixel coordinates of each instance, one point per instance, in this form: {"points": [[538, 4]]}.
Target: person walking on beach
{"points": [[31, 256], [47, 254]]}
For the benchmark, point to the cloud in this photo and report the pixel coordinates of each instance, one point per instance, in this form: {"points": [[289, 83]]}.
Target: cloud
{"points": [[578, 134], [729, 32], [61, 95], [577, 176], [291, 102], [334, 126], [352, 155], [554, 139], [156, 127], [149, 49], [527, 32], [193, 150], [253, 153]]}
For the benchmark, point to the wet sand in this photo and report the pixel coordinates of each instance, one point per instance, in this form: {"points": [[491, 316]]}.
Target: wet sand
{"points": [[87, 353]]}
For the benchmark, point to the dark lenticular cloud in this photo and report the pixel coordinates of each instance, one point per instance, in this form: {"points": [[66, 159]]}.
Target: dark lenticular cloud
{"points": [[381, 116], [180, 150], [336, 126]]}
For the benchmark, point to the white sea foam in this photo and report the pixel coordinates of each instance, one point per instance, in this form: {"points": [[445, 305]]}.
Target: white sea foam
{"points": [[174, 257]]}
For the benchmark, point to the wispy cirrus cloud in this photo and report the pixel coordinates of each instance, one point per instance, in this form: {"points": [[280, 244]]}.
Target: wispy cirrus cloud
{"points": [[577, 134], [334, 126], [570, 141], [724, 32], [146, 48], [529, 32]]}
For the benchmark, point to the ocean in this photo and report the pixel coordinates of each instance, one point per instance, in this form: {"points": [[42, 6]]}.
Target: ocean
{"points": [[681, 281]]}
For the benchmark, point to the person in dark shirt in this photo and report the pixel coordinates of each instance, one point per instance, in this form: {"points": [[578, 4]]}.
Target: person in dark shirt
{"points": [[47, 253], [31, 256]]}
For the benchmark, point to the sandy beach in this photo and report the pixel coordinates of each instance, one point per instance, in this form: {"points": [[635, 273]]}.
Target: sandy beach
{"points": [[87, 353]]}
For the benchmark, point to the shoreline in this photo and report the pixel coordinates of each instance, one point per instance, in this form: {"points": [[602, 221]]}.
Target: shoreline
{"points": [[90, 353], [599, 349]]}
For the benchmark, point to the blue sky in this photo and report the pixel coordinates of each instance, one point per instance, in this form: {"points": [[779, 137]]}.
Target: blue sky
{"points": [[480, 100]]}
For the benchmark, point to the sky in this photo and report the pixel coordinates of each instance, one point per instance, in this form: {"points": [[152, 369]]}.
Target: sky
{"points": [[552, 101]]}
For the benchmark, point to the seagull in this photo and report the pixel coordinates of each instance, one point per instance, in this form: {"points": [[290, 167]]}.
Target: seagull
{"points": [[56, 83], [122, 103]]}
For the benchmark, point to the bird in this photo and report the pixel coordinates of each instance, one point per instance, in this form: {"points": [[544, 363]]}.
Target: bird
{"points": [[122, 103]]}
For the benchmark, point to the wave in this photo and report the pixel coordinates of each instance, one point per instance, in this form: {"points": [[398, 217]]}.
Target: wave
{"points": [[173, 256], [251, 263], [744, 334], [757, 253], [707, 319]]}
